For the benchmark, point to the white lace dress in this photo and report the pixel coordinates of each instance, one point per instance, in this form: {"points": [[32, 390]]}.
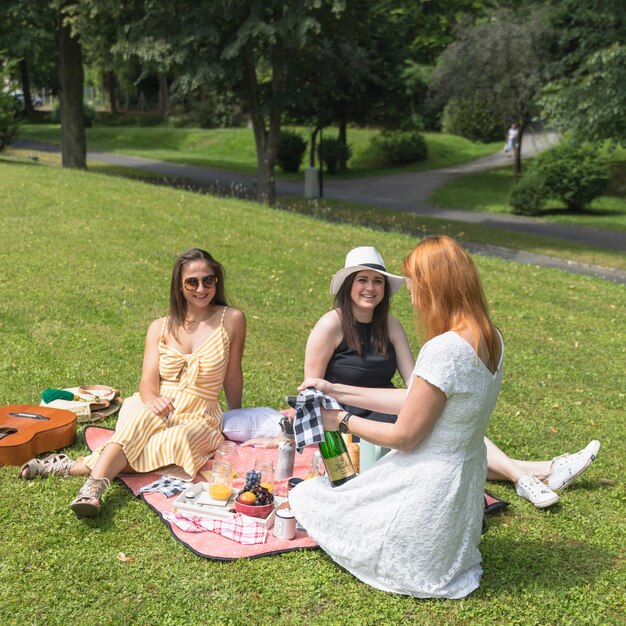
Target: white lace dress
{"points": [[411, 524]]}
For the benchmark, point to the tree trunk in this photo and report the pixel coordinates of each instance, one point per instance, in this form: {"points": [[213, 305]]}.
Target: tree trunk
{"points": [[164, 96], [71, 84], [111, 88], [342, 164], [28, 102], [266, 143]]}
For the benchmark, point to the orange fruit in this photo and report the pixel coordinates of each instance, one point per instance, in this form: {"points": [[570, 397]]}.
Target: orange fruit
{"points": [[268, 486], [247, 497]]}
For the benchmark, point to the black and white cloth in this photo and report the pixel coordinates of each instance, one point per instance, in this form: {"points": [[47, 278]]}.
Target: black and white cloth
{"points": [[307, 424], [167, 486]]}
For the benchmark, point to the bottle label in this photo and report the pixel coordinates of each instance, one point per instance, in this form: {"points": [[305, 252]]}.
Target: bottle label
{"points": [[339, 467]]}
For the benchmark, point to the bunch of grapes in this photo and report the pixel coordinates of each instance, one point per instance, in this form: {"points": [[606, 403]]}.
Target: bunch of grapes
{"points": [[253, 479], [263, 496], [253, 484]]}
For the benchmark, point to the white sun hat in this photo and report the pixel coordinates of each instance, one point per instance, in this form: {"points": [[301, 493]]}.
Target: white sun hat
{"points": [[364, 258]]}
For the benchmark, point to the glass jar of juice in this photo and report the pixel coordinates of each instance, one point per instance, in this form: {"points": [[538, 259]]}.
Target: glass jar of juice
{"points": [[221, 480]]}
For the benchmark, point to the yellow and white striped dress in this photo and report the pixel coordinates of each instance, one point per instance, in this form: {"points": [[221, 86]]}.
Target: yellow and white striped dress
{"points": [[193, 431]]}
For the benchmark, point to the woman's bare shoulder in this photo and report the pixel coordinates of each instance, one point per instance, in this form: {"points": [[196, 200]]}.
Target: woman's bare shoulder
{"points": [[234, 321], [157, 325]]}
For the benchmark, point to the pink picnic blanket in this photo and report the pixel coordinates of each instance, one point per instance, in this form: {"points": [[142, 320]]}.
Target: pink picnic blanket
{"points": [[209, 544]]}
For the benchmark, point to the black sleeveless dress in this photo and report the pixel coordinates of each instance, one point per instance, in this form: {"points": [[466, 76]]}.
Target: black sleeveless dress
{"points": [[369, 369]]}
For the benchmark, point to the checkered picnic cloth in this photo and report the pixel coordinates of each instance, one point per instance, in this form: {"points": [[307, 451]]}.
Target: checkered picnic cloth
{"points": [[307, 424], [167, 486], [240, 529]]}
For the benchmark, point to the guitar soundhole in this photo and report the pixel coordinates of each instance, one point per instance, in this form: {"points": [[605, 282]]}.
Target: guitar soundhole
{"points": [[5, 431]]}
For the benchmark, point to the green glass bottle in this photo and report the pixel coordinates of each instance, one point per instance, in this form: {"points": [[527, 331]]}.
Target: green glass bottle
{"points": [[337, 461]]}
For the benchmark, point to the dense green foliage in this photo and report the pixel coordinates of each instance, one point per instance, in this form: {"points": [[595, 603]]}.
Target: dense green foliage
{"points": [[587, 92], [332, 151], [575, 173], [528, 195], [217, 110], [9, 122], [110, 255], [477, 118], [395, 147], [291, 150]]}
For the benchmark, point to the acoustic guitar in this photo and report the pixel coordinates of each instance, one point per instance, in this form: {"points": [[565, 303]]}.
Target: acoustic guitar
{"points": [[26, 431]]}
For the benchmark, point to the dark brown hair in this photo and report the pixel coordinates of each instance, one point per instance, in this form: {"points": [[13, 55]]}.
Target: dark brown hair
{"points": [[380, 320], [178, 304]]}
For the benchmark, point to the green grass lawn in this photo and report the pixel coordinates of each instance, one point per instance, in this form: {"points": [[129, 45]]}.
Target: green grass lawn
{"points": [[233, 148], [418, 225], [387, 219], [489, 191], [85, 266]]}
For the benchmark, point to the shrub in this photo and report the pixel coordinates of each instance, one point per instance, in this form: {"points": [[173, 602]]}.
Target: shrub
{"points": [[217, 110], [528, 195], [9, 122], [291, 148], [331, 152], [138, 118], [397, 147], [90, 115], [573, 172], [476, 119]]}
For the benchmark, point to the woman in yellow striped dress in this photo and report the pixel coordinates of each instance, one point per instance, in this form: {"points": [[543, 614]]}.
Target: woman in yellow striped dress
{"points": [[189, 356]]}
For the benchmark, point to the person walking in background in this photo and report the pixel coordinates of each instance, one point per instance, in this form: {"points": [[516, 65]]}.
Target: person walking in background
{"points": [[511, 139]]}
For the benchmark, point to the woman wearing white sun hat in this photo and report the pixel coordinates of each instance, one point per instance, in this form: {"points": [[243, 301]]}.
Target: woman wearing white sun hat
{"points": [[358, 346], [343, 350]]}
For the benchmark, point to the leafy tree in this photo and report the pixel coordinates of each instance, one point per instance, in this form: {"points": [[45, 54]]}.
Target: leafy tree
{"points": [[28, 36], [587, 94], [239, 46], [504, 58]]}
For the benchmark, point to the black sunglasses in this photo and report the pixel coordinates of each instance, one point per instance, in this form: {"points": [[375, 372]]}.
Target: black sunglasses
{"points": [[192, 283]]}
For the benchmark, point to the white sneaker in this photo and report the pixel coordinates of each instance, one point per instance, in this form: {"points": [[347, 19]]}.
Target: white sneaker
{"points": [[568, 467], [531, 488]]}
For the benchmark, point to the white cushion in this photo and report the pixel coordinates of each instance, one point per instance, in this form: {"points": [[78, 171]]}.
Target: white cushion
{"points": [[244, 424]]}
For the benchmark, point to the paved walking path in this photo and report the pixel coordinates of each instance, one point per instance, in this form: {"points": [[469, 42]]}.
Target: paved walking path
{"points": [[404, 192]]}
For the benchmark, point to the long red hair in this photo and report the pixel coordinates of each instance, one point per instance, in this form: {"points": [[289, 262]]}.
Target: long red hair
{"points": [[448, 294]]}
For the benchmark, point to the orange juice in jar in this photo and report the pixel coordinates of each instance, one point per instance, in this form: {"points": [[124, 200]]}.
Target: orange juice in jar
{"points": [[221, 481]]}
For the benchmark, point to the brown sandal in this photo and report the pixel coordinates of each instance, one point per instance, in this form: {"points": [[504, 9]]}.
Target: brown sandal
{"points": [[52, 465], [87, 502]]}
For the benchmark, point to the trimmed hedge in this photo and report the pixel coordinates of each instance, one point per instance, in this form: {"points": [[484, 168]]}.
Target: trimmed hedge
{"points": [[575, 173], [397, 147], [528, 195], [476, 119], [291, 148], [333, 151]]}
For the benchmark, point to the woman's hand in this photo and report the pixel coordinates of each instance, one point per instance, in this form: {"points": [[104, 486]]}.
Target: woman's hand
{"points": [[262, 442], [161, 406], [331, 418], [318, 383]]}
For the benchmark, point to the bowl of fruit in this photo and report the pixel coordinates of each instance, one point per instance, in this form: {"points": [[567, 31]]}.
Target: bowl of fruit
{"points": [[256, 498]]}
